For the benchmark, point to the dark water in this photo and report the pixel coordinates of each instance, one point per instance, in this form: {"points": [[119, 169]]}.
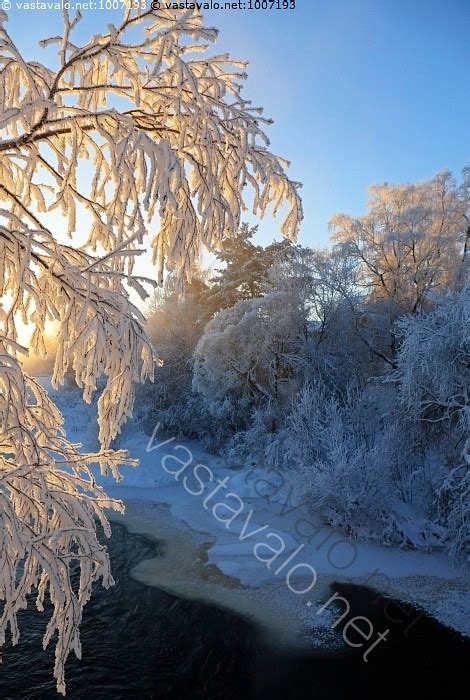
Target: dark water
{"points": [[139, 642]]}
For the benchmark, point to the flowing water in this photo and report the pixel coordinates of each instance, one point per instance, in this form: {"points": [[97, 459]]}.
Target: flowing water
{"points": [[140, 642]]}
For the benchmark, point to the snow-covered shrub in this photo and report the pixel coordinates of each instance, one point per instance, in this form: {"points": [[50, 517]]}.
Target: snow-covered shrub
{"points": [[82, 416], [433, 380], [249, 354], [347, 469], [252, 446], [433, 364], [345, 479], [353, 348], [454, 504], [175, 323]]}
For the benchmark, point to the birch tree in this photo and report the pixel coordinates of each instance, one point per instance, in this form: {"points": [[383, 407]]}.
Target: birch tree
{"points": [[132, 135], [413, 241]]}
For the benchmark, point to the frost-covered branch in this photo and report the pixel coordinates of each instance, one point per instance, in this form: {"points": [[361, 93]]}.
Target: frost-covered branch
{"points": [[132, 134]]}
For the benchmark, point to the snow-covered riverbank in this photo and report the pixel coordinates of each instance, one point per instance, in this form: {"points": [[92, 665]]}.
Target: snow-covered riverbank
{"points": [[228, 541], [427, 580]]}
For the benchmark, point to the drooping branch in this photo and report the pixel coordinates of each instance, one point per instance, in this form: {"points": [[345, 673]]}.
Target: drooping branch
{"points": [[126, 138]]}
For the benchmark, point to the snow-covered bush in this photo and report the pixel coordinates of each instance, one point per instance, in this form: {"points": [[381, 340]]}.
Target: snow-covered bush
{"points": [[175, 322], [454, 506], [347, 480], [252, 446], [433, 380], [249, 354], [348, 470], [433, 365]]}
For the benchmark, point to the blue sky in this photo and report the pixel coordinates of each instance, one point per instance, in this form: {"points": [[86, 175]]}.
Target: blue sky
{"points": [[362, 91]]}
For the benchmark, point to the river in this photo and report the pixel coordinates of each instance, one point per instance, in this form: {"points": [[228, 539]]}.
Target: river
{"points": [[141, 642]]}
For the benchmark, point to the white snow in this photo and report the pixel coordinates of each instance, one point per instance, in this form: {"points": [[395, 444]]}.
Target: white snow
{"points": [[425, 579]]}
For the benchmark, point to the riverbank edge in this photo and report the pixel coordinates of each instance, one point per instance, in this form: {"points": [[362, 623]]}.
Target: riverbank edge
{"points": [[281, 616]]}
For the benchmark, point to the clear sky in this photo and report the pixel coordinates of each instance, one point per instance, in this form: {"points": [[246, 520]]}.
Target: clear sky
{"points": [[362, 91]]}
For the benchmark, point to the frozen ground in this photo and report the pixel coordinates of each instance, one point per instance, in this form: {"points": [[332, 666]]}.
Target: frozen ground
{"points": [[238, 546]]}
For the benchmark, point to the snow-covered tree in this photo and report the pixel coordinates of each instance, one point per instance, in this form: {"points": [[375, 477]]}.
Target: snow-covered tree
{"points": [[245, 272], [322, 280], [248, 354], [130, 132], [412, 241]]}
